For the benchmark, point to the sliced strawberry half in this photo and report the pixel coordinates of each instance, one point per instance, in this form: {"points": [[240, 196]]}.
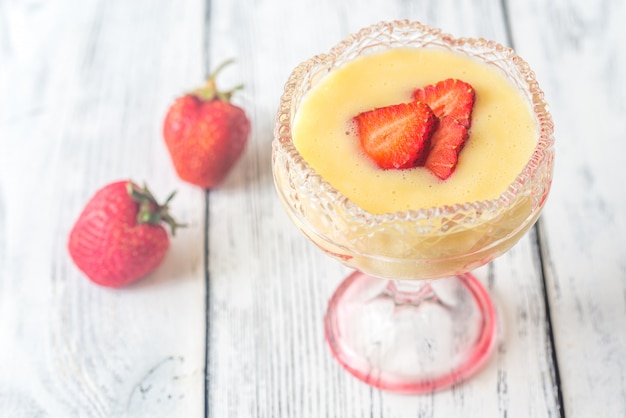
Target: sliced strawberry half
{"points": [[449, 97], [396, 136], [446, 144]]}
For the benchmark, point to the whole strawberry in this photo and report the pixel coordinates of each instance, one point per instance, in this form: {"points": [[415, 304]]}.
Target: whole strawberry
{"points": [[205, 134], [119, 237]]}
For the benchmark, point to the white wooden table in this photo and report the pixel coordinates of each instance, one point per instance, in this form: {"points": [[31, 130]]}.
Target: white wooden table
{"points": [[231, 324]]}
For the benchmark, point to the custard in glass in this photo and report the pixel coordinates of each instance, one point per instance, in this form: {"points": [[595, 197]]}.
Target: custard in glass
{"points": [[502, 135], [407, 223]]}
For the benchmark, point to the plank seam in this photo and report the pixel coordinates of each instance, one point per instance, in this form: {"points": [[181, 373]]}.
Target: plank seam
{"points": [[554, 358], [542, 254], [207, 278]]}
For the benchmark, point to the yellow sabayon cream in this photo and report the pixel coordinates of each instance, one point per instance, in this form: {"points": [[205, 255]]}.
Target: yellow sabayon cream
{"points": [[502, 136]]}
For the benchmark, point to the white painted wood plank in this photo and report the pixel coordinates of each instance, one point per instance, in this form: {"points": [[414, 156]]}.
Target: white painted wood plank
{"points": [[269, 286], [578, 52], [85, 87], [72, 350]]}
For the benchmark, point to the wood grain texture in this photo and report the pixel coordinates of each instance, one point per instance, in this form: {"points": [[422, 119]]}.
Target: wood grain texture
{"points": [[269, 286], [578, 52], [85, 87], [236, 329]]}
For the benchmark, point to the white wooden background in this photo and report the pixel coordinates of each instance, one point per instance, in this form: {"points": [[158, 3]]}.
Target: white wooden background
{"points": [[231, 324]]}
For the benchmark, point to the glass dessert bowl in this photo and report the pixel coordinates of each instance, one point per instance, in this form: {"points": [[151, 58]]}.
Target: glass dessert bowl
{"points": [[411, 318]]}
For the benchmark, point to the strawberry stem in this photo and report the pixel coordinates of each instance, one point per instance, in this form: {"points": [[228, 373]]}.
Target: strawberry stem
{"points": [[219, 68], [210, 91], [150, 211]]}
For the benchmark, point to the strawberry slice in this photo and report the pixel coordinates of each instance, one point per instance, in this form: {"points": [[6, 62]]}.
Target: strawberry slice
{"points": [[449, 97], [396, 136], [446, 144]]}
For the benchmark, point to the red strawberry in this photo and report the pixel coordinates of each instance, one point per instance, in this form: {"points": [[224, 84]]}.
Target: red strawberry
{"points": [[118, 238], [449, 97], [396, 136], [205, 134], [446, 144]]}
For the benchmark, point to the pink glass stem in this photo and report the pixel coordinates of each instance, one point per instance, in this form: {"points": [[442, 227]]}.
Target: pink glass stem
{"points": [[411, 337], [414, 296]]}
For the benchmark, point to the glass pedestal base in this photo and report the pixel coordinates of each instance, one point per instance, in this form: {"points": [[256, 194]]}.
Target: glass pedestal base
{"points": [[411, 336]]}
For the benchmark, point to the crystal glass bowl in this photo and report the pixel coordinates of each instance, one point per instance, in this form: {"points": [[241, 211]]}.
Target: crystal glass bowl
{"points": [[389, 250]]}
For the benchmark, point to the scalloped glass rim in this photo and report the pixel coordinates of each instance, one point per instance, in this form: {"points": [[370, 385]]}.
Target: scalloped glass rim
{"points": [[542, 154]]}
